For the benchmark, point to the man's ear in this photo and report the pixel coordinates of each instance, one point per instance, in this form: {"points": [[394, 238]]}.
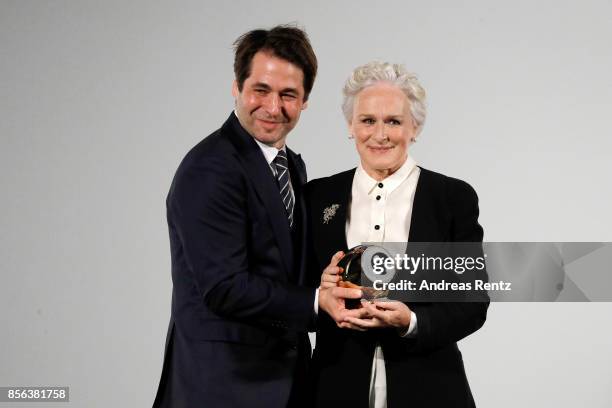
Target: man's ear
{"points": [[304, 105], [235, 90]]}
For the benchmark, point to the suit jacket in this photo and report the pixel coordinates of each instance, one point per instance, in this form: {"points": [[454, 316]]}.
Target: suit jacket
{"points": [[237, 334], [423, 371]]}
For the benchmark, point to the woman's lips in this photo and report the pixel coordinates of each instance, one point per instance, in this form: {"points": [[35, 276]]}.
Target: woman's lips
{"points": [[380, 149]]}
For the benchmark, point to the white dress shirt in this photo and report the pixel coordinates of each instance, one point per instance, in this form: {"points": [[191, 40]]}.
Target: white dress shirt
{"points": [[270, 153], [380, 212]]}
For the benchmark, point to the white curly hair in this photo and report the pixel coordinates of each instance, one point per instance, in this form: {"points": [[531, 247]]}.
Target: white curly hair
{"points": [[395, 74]]}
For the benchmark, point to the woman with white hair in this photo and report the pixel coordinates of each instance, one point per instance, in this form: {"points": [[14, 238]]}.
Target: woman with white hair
{"points": [[397, 354]]}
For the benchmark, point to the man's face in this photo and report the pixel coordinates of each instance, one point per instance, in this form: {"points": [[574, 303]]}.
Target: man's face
{"points": [[271, 99]]}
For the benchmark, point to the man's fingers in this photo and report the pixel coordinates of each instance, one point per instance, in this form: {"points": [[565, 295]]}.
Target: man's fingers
{"points": [[336, 258], [332, 270], [347, 284], [346, 293], [330, 276]]}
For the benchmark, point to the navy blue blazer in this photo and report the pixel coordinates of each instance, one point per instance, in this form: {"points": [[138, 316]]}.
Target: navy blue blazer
{"points": [[240, 311], [427, 369]]}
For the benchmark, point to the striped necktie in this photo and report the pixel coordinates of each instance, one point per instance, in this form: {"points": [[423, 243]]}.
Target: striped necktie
{"points": [[282, 177]]}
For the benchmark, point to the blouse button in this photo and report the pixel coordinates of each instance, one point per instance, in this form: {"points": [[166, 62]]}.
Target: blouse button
{"points": [[377, 227], [380, 185], [378, 197]]}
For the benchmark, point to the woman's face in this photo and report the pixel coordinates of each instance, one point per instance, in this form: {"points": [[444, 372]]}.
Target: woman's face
{"points": [[383, 128]]}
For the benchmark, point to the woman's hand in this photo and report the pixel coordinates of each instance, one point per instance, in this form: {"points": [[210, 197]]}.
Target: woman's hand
{"points": [[331, 274], [383, 314]]}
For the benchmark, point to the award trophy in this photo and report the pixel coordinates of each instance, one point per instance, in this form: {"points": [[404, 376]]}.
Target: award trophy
{"points": [[359, 272]]}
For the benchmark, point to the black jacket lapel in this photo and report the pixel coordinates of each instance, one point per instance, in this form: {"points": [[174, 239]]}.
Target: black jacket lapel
{"points": [[259, 172], [297, 170], [329, 216], [427, 211]]}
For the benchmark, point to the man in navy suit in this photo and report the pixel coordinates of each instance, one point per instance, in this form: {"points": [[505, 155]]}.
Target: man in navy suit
{"points": [[240, 308]]}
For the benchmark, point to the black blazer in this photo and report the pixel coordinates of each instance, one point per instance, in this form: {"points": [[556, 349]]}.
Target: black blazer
{"points": [[237, 335], [424, 371]]}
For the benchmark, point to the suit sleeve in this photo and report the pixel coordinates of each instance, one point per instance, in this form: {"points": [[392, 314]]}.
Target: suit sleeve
{"points": [[440, 324], [209, 209]]}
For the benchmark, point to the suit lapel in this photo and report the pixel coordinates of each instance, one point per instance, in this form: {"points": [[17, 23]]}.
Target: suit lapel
{"points": [[297, 170], [424, 222], [258, 170], [330, 216]]}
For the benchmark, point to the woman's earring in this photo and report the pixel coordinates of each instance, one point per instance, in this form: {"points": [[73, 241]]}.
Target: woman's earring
{"points": [[351, 137], [413, 140]]}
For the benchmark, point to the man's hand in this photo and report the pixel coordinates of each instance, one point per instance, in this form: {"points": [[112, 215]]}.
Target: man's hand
{"points": [[380, 315], [331, 300], [331, 274]]}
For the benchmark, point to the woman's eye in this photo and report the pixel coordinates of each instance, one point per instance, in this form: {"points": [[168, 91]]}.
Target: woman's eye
{"points": [[368, 121]]}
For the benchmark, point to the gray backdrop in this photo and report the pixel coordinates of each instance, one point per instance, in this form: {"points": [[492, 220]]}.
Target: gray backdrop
{"points": [[101, 100]]}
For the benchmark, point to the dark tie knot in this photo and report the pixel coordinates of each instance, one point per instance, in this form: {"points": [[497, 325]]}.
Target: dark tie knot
{"points": [[281, 158]]}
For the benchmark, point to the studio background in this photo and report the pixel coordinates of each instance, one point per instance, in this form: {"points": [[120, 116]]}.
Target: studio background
{"points": [[101, 100]]}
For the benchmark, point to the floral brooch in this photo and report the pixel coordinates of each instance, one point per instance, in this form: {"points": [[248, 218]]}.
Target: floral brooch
{"points": [[329, 212]]}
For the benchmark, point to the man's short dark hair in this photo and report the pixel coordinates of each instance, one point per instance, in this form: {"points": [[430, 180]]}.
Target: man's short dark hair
{"points": [[286, 42]]}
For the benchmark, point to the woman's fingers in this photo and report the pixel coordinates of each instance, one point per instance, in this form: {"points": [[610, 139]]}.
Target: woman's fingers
{"points": [[365, 323], [374, 311], [393, 313], [388, 315], [388, 305], [347, 325]]}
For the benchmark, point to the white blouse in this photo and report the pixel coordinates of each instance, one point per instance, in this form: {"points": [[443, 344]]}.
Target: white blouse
{"points": [[380, 211]]}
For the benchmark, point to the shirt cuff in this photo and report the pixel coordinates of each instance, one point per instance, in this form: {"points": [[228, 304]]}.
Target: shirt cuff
{"points": [[412, 329], [316, 302]]}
